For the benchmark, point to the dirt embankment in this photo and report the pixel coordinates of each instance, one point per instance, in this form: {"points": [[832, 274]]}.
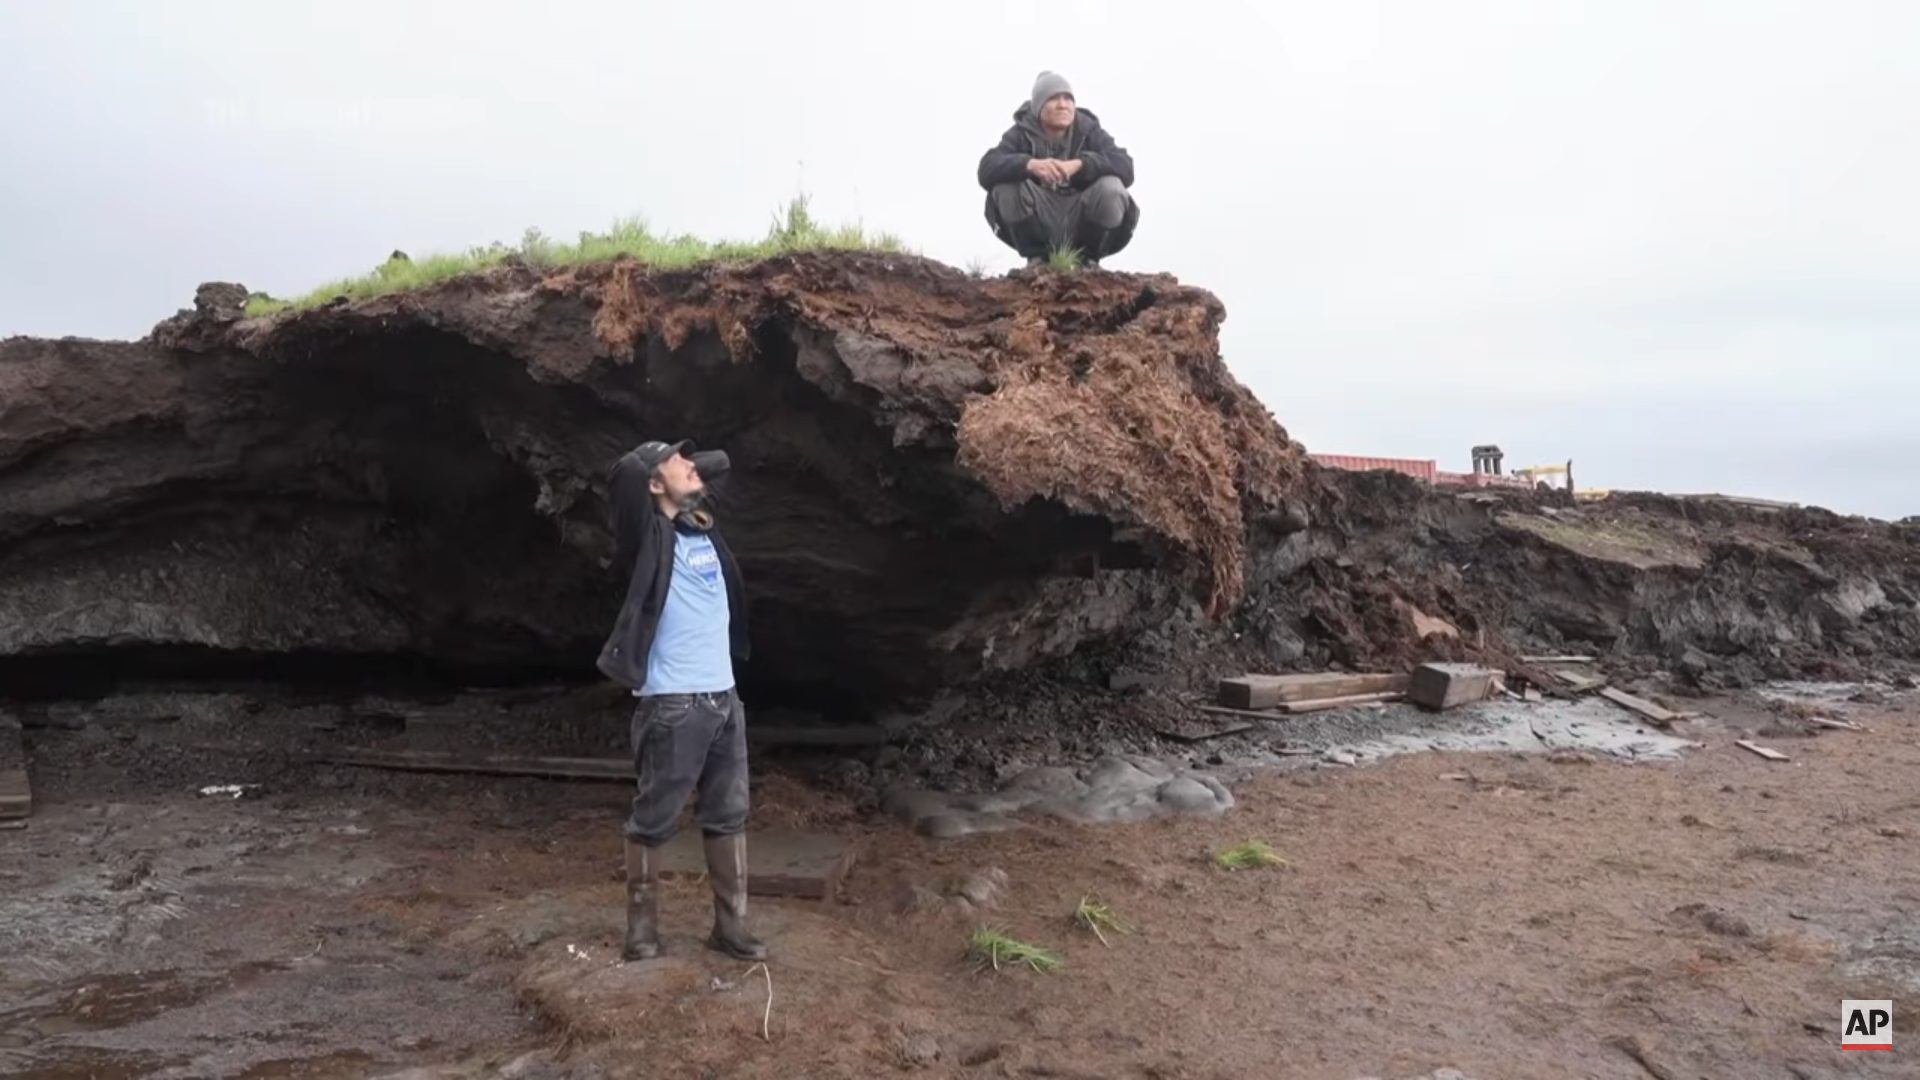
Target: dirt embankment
{"points": [[937, 477]]}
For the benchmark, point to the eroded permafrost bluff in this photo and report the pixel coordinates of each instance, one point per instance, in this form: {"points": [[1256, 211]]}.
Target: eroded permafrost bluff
{"points": [[938, 476]]}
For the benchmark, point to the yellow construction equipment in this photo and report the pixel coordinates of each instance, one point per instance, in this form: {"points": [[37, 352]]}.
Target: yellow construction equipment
{"points": [[1533, 474]]}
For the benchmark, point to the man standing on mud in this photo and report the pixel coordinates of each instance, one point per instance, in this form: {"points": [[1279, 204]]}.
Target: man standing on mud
{"points": [[1057, 180], [680, 629]]}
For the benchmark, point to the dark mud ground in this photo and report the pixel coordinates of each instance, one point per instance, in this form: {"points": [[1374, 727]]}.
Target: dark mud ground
{"points": [[1514, 915]]}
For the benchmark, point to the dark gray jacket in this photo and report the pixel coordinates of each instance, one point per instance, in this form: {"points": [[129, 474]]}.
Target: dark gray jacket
{"points": [[1006, 163], [643, 539]]}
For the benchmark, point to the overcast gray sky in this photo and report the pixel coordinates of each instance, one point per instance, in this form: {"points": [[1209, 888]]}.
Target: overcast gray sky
{"points": [[1674, 240]]}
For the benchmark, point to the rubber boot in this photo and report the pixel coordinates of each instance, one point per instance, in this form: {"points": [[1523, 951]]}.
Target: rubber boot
{"points": [[727, 869], [643, 903]]}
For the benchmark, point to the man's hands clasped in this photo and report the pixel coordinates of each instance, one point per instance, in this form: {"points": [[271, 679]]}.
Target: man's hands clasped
{"points": [[1053, 172]]}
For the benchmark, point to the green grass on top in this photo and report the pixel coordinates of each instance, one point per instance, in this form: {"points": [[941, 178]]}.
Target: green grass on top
{"points": [[794, 230]]}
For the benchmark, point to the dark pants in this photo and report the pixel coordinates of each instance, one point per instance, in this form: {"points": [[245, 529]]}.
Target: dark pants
{"points": [[1035, 221], [684, 743]]}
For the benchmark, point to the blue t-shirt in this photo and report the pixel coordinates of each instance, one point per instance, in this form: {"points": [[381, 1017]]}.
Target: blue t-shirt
{"points": [[692, 649]]}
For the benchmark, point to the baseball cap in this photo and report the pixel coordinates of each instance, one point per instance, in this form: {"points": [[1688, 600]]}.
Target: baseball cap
{"points": [[649, 456], [652, 455]]}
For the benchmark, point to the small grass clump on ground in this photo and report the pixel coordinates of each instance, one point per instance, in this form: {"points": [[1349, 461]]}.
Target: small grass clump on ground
{"points": [[1093, 915], [991, 947], [1252, 855], [1065, 259], [795, 229]]}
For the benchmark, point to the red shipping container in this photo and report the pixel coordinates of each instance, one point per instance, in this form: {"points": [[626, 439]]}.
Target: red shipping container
{"points": [[1418, 468]]}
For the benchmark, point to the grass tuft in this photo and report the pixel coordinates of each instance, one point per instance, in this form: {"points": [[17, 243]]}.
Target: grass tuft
{"points": [[1093, 915], [793, 229], [990, 947], [1252, 855], [1064, 259]]}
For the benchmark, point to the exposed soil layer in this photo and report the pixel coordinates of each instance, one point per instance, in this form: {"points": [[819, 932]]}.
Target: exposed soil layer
{"points": [[1513, 916], [934, 475], [1051, 478]]}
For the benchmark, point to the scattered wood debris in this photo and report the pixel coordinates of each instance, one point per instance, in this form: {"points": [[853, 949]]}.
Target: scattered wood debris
{"points": [[1765, 752], [1837, 725], [1270, 691], [1445, 686], [1557, 659]]}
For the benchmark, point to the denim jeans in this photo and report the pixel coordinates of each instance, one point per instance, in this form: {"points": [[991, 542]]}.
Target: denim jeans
{"points": [[683, 744]]}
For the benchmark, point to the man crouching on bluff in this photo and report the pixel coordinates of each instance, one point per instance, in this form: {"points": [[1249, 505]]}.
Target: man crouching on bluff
{"points": [[1058, 181]]}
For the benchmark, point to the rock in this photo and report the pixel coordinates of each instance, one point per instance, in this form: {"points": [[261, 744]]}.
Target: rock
{"points": [[1694, 663], [1117, 789], [983, 888], [1048, 782], [916, 1050], [1715, 920], [1195, 796]]}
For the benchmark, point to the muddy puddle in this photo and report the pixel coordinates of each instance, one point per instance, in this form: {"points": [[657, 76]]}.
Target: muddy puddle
{"points": [[1588, 726], [1376, 732], [44, 1037]]}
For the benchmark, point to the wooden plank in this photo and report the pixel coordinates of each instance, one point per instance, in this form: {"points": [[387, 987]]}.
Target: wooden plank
{"points": [[1580, 682], [1192, 733], [1557, 659], [1653, 714], [494, 764], [16, 794], [1837, 725], [1291, 708], [1251, 714], [1322, 704], [1268, 691], [758, 735], [1753, 747], [1446, 686]]}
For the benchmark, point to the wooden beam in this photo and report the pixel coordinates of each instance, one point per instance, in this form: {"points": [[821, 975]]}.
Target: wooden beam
{"points": [[1270, 691], [1322, 704], [1579, 682], [1201, 733], [1445, 686], [1756, 748], [1293, 708], [569, 768], [1653, 714]]}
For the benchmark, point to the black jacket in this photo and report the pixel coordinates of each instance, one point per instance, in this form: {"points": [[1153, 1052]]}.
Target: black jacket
{"points": [[643, 539], [1006, 163]]}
